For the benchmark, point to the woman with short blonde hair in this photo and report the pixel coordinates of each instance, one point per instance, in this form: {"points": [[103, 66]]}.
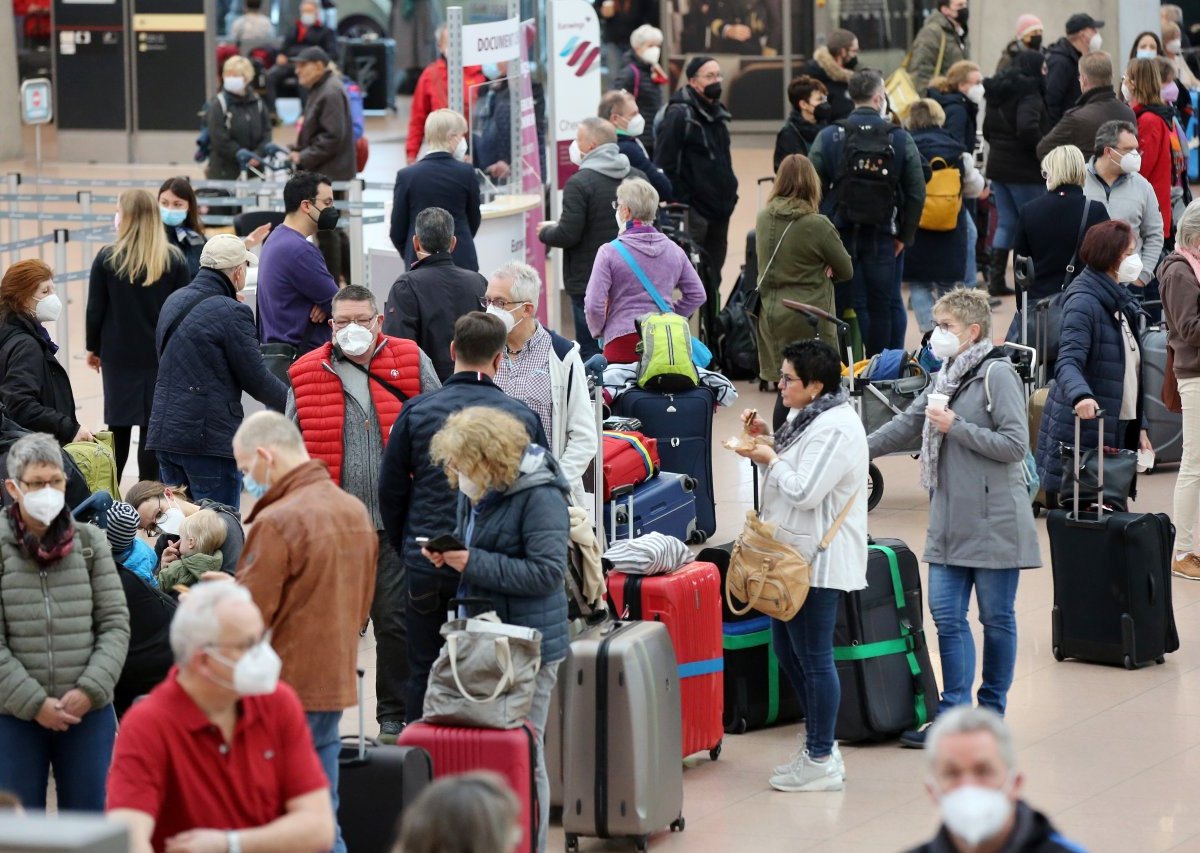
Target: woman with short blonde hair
{"points": [[1064, 165], [130, 281]]}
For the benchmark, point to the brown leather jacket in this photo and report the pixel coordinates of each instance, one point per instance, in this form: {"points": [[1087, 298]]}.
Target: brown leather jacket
{"points": [[309, 563]]}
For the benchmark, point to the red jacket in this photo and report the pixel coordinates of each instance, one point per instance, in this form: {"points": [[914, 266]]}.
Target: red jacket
{"points": [[320, 398], [1154, 140], [432, 93]]}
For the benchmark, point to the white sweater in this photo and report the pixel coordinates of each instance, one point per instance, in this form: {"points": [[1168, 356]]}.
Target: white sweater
{"points": [[806, 487]]}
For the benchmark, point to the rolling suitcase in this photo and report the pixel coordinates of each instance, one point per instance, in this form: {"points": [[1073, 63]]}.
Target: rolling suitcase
{"points": [[666, 504], [365, 768], [623, 776], [683, 423], [757, 694], [1112, 582], [630, 458], [1164, 427], [688, 602], [888, 685], [510, 752], [372, 65]]}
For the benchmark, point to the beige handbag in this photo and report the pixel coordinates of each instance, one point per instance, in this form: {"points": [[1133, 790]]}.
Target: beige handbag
{"points": [[770, 576]]}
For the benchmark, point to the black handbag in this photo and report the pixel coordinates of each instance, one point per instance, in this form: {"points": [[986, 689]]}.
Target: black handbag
{"points": [[1120, 477]]}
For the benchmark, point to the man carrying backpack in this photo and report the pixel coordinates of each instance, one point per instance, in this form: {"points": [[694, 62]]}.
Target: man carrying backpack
{"points": [[874, 190]]}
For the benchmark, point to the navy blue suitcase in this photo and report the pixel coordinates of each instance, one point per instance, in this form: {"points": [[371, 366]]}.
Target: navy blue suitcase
{"points": [[664, 504], [682, 423]]}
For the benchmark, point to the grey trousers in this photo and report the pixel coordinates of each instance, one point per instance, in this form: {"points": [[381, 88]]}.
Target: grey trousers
{"points": [[538, 714]]}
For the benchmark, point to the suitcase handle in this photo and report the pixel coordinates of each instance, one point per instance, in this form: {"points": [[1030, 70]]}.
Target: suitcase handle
{"points": [[1099, 464]]}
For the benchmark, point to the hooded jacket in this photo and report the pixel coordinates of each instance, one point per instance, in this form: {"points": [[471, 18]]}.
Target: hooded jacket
{"points": [[1062, 78], [518, 540], [615, 295], [795, 137], [35, 388], [1010, 53], [637, 78], [1079, 124], [587, 221], [1091, 363], [979, 513], [1015, 120], [1155, 125], [1032, 833], [939, 35], [825, 68], [692, 146], [234, 122], [961, 117]]}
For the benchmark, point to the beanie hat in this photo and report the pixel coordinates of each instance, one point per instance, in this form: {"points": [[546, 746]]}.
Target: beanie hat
{"points": [[1027, 24], [122, 526], [696, 63]]}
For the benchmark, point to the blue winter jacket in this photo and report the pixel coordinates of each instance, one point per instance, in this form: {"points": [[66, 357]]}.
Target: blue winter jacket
{"points": [[938, 256], [518, 541], [1091, 363], [209, 359]]}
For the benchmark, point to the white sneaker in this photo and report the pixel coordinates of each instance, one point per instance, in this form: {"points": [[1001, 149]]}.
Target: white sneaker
{"points": [[809, 775], [836, 754]]}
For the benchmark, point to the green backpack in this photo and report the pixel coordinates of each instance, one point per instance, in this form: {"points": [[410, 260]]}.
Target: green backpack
{"points": [[666, 350], [98, 464]]}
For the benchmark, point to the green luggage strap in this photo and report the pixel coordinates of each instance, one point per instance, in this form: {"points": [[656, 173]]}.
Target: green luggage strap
{"points": [[736, 642], [907, 644]]}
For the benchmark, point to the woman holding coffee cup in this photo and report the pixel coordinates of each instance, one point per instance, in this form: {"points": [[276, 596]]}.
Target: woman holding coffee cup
{"points": [[974, 434]]}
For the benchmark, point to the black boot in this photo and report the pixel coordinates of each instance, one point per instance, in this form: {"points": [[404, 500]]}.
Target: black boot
{"points": [[997, 274]]}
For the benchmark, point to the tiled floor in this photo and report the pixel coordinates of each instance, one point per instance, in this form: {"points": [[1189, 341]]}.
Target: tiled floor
{"points": [[1112, 756]]}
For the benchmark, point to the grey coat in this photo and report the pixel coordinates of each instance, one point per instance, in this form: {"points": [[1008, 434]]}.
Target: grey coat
{"points": [[979, 514], [62, 628]]}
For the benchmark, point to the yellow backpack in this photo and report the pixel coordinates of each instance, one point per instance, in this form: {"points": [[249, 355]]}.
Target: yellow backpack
{"points": [[943, 197]]}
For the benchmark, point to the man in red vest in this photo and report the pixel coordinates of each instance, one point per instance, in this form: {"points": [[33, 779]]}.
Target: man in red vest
{"points": [[345, 397]]}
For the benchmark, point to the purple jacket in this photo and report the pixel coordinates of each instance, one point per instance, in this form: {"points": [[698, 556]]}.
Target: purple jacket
{"points": [[292, 278], [615, 296]]}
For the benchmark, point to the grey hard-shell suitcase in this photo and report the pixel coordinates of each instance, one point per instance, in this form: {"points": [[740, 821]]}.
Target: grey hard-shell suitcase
{"points": [[622, 734], [1164, 427]]}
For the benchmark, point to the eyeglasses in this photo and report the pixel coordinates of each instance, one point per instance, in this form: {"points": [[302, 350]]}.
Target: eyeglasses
{"points": [[499, 303], [785, 380], [361, 321], [59, 483]]}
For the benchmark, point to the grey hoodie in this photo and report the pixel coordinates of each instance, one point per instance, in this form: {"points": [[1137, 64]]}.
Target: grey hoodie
{"points": [[607, 159]]}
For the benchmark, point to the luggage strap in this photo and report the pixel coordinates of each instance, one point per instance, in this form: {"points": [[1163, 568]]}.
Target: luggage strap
{"points": [[736, 642], [637, 445], [906, 644]]}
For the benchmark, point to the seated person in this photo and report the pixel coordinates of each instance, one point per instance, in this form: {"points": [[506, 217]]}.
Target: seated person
{"points": [[127, 549], [201, 536], [253, 25]]}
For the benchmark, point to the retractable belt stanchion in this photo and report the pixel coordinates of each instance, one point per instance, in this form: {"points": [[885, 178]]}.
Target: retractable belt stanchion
{"points": [[61, 237], [358, 261], [12, 186]]}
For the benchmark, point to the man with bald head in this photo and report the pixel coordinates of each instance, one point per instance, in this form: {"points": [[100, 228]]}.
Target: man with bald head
{"points": [[587, 220]]}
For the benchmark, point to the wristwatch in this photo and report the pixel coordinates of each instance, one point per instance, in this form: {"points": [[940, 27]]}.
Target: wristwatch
{"points": [[233, 842]]}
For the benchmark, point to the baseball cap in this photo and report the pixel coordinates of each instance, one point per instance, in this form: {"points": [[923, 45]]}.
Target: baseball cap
{"points": [[312, 54], [1082, 21], [226, 251]]}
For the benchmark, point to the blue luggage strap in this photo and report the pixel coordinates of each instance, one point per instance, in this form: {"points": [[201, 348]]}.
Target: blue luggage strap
{"points": [[907, 644]]}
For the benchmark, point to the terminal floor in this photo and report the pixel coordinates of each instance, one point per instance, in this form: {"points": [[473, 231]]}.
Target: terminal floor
{"points": [[1112, 756]]}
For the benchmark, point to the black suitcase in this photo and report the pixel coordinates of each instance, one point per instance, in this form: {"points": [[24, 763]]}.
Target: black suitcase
{"points": [[372, 65], [376, 782], [888, 685], [682, 422], [1112, 583]]}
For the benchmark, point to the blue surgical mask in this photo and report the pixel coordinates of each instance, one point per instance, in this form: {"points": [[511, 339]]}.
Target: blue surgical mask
{"points": [[1146, 53], [490, 70], [172, 217], [251, 485]]}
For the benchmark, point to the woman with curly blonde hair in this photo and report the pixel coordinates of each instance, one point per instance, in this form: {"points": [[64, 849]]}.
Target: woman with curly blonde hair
{"points": [[512, 519]]}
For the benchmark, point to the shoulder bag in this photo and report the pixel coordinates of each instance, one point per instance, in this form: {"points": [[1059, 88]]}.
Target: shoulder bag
{"points": [[1048, 328]]}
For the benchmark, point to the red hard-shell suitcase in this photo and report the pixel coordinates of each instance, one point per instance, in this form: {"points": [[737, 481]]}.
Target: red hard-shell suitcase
{"points": [[624, 462], [509, 752], [688, 602]]}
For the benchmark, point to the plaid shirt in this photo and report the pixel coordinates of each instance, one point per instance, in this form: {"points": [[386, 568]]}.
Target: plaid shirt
{"points": [[525, 376]]}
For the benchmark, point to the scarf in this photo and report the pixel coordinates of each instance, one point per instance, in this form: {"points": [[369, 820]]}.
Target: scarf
{"points": [[57, 542], [790, 432], [948, 379]]}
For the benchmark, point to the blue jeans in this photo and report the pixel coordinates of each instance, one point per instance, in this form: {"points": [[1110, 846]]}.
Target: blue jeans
{"points": [[587, 344], [949, 597], [971, 272], [80, 757], [1010, 198], [216, 478], [923, 294], [874, 290], [324, 728], [805, 650]]}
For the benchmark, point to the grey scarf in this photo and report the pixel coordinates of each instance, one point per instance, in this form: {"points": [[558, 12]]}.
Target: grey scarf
{"points": [[790, 432], [947, 382]]}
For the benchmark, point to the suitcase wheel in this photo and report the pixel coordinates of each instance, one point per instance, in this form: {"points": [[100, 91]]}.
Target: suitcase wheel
{"points": [[1058, 654], [874, 486], [1129, 664], [641, 844], [1160, 660], [737, 727], [697, 537], [715, 752], [572, 843], [678, 825]]}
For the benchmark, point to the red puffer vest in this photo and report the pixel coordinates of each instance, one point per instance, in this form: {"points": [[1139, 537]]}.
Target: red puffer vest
{"points": [[320, 399]]}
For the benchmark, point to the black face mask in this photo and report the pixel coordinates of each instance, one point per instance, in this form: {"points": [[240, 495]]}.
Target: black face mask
{"points": [[328, 219], [851, 63], [823, 113], [963, 14], [1034, 43], [713, 91]]}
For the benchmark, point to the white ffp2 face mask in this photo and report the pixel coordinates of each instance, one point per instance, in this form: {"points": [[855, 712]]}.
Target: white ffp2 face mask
{"points": [[636, 125], [574, 152], [256, 673], [506, 317], [48, 308], [1096, 43], [469, 487], [460, 150], [354, 339], [944, 344], [1130, 269], [44, 505], [651, 55], [974, 813]]}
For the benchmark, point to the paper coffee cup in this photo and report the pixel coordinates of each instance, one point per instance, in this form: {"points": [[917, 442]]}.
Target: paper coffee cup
{"points": [[936, 401], [1145, 460]]}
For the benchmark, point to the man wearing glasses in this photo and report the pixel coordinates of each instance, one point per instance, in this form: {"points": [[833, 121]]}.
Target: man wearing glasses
{"points": [[345, 398], [1113, 180]]}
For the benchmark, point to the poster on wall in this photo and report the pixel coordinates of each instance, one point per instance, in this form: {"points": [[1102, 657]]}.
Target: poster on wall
{"points": [[574, 52]]}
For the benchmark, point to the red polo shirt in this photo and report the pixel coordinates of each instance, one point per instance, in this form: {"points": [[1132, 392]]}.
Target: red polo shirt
{"points": [[172, 763]]}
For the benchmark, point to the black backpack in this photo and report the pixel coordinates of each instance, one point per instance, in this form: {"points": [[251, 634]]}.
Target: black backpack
{"points": [[738, 331], [869, 174]]}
